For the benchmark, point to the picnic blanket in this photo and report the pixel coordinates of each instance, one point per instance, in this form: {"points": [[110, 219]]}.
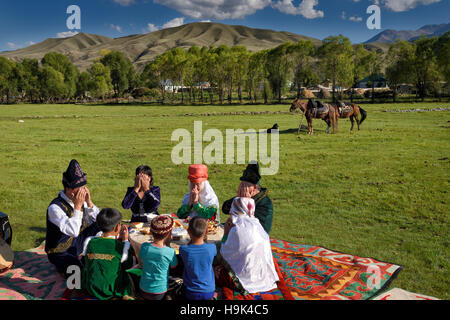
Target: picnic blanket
{"points": [[307, 273], [32, 277], [400, 294]]}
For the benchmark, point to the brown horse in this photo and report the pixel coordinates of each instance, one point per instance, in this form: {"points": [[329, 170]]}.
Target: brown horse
{"points": [[326, 112], [351, 111]]}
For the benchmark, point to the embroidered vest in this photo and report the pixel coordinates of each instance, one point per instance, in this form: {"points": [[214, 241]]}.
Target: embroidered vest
{"points": [[55, 240]]}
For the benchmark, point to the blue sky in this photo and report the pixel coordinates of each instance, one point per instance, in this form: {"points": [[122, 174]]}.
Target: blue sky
{"points": [[25, 22]]}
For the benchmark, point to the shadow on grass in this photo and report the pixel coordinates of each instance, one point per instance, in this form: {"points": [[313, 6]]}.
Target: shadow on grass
{"points": [[40, 230]]}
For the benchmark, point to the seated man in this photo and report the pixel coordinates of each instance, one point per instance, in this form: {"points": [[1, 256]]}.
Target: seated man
{"points": [[250, 187], [70, 220]]}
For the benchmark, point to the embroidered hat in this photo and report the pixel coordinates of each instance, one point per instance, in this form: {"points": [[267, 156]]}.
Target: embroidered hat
{"points": [[251, 173], [74, 177], [198, 173], [162, 224]]}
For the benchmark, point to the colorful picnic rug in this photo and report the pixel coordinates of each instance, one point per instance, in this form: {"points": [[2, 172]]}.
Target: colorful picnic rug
{"points": [[308, 273], [317, 273], [31, 278]]}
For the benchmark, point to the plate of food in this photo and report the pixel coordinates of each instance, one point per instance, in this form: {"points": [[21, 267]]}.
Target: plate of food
{"points": [[212, 227]]}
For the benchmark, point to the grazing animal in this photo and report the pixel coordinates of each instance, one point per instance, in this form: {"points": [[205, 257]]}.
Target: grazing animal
{"points": [[317, 110], [275, 127], [351, 111]]}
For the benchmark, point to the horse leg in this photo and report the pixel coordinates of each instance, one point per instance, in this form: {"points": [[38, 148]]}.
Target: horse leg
{"points": [[353, 123], [357, 120]]}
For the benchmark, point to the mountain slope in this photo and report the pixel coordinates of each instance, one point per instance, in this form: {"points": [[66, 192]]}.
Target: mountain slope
{"points": [[83, 49], [390, 36]]}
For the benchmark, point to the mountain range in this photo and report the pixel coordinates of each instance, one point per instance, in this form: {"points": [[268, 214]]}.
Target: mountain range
{"points": [[83, 49], [390, 36]]}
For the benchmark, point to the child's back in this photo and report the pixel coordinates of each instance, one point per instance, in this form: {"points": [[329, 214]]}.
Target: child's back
{"points": [[198, 275], [156, 262], [104, 275]]}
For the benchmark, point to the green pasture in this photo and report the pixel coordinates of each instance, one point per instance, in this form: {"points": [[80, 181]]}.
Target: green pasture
{"points": [[382, 192]]}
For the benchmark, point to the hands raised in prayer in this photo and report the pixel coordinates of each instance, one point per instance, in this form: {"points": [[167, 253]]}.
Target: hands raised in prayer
{"points": [[83, 195], [247, 190], [142, 182], [194, 197], [123, 235]]}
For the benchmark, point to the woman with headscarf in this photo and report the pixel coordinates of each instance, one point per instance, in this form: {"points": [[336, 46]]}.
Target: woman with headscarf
{"points": [[246, 248], [201, 199]]}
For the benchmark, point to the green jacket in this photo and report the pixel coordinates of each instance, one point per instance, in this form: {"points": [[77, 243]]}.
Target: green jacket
{"points": [[263, 210], [204, 212], [103, 275]]}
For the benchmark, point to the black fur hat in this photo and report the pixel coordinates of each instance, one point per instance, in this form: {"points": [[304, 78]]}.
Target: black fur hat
{"points": [[251, 173]]}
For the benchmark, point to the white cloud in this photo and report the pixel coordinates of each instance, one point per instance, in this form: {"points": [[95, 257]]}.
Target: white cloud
{"points": [[173, 23], [124, 3], [305, 8], [216, 9], [117, 28], [151, 28], [12, 45], [405, 5], [169, 24], [66, 34]]}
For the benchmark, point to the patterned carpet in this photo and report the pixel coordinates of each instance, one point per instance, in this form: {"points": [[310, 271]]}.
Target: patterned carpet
{"points": [[317, 273], [308, 272]]}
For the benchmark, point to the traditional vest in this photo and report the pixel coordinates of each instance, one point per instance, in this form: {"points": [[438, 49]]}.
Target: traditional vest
{"points": [[55, 240]]}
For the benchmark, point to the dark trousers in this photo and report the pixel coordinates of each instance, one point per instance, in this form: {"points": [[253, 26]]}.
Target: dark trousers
{"points": [[71, 257]]}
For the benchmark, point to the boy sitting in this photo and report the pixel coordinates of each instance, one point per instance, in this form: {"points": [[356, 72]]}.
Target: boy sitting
{"points": [[156, 259], [198, 256], [106, 259]]}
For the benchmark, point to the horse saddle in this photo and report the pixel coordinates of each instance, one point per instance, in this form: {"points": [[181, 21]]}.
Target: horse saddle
{"points": [[344, 108], [316, 104]]}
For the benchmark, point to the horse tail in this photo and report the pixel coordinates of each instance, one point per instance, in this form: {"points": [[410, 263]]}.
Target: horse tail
{"points": [[363, 114]]}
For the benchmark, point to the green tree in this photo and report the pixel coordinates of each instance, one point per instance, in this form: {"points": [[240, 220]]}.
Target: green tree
{"points": [[400, 58], [425, 66], [29, 83], [8, 82], [62, 64], [100, 83], [241, 61], [373, 61], [303, 52], [279, 67], [442, 49], [83, 84], [52, 86], [177, 60], [336, 54], [361, 68], [156, 74], [120, 71]]}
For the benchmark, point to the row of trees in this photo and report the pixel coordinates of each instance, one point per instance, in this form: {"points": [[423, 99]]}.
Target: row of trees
{"points": [[230, 72]]}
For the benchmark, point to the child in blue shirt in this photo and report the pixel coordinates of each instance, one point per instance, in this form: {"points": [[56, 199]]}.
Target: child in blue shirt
{"points": [[157, 258], [198, 256]]}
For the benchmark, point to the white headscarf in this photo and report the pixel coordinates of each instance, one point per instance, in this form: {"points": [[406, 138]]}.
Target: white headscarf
{"points": [[244, 205], [207, 198], [247, 249]]}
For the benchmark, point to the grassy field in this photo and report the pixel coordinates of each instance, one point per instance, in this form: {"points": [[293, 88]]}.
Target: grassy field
{"points": [[381, 192]]}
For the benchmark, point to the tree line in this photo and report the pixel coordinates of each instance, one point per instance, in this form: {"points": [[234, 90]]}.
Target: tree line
{"points": [[231, 73]]}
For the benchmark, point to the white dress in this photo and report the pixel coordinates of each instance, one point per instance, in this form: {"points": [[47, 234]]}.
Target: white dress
{"points": [[249, 254]]}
